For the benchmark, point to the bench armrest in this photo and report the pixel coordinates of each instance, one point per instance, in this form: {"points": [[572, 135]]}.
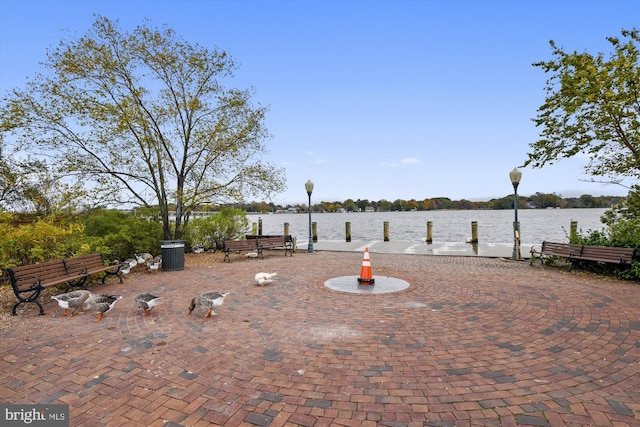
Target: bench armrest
{"points": [[37, 283]]}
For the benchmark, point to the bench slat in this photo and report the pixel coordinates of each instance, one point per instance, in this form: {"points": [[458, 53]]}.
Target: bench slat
{"points": [[272, 242], [46, 274], [275, 242], [90, 264], [607, 254], [234, 245]]}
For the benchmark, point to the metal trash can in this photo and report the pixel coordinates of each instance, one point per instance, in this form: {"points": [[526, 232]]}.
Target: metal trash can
{"points": [[172, 255]]}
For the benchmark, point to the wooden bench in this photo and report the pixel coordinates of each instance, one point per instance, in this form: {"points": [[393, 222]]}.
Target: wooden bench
{"points": [[576, 252], [554, 249], [275, 242], [606, 254], [239, 245], [257, 244], [28, 281]]}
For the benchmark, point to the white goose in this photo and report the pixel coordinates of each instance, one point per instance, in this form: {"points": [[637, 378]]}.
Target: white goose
{"points": [[131, 261], [124, 269], [154, 264], [263, 279]]}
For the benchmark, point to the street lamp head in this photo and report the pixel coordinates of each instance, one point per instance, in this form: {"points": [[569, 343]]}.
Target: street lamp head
{"points": [[515, 176], [309, 187]]}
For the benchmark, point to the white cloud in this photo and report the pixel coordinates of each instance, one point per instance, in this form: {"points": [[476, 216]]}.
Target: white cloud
{"points": [[410, 161]]}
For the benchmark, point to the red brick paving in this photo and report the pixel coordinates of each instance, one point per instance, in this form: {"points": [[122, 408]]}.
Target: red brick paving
{"points": [[472, 342]]}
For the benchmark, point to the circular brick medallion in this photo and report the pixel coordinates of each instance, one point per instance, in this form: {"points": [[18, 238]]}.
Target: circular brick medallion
{"points": [[381, 285]]}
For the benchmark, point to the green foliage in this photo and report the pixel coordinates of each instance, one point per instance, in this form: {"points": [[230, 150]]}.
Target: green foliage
{"points": [[43, 240], [120, 234], [622, 230], [110, 232], [592, 108], [212, 231], [623, 222]]}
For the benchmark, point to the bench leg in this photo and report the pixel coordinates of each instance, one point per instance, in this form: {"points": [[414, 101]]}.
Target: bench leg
{"points": [[111, 273], [227, 258], [13, 310], [533, 259], [535, 254]]}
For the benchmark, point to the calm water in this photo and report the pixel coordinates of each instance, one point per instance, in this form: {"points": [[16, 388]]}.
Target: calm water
{"points": [[494, 226]]}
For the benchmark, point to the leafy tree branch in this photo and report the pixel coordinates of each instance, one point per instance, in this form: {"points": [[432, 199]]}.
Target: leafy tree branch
{"points": [[145, 118]]}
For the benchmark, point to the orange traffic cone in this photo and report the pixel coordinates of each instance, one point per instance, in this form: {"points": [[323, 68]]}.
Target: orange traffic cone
{"points": [[365, 273]]}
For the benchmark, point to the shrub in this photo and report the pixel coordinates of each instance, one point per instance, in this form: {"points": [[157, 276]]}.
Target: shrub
{"points": [[45, 239], [212, 231], [622, 230], [121, 234]]}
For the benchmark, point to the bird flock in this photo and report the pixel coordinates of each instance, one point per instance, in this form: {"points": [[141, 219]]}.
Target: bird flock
{"points": [[146, 260], [78, 301]]}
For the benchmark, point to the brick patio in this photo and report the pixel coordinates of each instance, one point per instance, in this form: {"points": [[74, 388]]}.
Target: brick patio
{"points": [[473, 341]]}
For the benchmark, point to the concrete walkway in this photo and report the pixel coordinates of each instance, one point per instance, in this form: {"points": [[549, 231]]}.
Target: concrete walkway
{"points": [[473, 341], [415, 248]]}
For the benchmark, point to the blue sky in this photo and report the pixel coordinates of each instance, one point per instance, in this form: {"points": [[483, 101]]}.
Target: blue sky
{"points": [[371, 99]]}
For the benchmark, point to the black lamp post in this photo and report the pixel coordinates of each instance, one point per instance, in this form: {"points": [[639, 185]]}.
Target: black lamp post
{"points": [[309, 187], [515, 176]]}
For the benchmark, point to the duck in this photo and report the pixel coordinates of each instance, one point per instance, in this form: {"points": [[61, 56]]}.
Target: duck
{"points": [[71, 300], [147, 301], [154, 264], [265, 278], [131, 261], [124, 269], [143, 258], [208, 300], [99, 303]]}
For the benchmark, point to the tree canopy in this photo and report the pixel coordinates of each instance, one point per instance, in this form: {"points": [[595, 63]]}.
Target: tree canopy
{"points": [[144, 118], [592, 108]]}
